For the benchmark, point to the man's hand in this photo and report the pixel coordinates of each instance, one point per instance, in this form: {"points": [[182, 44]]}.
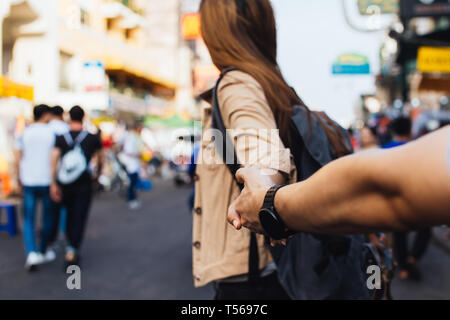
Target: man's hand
{"points": [[244, 211], [55, 193]]}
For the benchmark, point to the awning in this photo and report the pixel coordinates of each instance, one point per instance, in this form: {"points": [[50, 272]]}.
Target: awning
{"points": [[10, 88], [129, 19], [115, 55], [435, 83]]}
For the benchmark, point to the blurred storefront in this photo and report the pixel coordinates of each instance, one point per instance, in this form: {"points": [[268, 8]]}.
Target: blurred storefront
{"points": [[416, 67], [121, 60], [92, 52], [16, 98]]}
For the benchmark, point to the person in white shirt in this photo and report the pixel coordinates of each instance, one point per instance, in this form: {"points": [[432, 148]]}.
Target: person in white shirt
{"points": [[33, 151], [57, 123], [132, 150]]}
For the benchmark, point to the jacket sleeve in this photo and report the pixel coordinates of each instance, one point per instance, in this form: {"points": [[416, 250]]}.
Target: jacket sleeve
{"points": [[251, 124]]}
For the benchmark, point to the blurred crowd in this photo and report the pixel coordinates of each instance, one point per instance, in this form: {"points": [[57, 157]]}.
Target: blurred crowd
{"points": [[63, 160], [383, 131]]}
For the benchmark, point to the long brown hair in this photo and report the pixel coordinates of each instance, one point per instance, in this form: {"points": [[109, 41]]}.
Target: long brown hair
{"points": [[242, 34]]}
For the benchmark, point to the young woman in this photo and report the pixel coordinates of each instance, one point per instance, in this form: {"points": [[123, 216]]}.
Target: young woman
{"points": [[253, 99]]}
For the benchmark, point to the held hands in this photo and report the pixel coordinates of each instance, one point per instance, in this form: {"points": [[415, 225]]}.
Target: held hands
{"points": [[244, 211]]}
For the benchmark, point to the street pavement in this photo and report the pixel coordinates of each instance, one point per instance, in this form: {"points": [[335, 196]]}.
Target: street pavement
{"points": [[146, 254]]}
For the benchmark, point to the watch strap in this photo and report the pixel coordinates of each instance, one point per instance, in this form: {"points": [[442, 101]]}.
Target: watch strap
{"points": [[269, 200]]}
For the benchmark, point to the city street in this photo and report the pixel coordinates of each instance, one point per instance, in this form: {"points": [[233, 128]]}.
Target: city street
{"points": [[146, 254]]}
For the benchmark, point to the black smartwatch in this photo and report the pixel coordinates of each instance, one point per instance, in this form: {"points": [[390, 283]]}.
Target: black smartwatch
{"points": [[270, 220]]}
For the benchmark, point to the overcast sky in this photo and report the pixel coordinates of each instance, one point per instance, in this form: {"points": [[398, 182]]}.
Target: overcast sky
{"points": [[312, 34]]}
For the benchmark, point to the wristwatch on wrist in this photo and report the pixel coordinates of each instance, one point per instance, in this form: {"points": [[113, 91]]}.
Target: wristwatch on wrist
{"points": [[270, 220]]}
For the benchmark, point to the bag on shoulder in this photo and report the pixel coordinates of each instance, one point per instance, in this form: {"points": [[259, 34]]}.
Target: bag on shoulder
{"points": [[73, 163]]}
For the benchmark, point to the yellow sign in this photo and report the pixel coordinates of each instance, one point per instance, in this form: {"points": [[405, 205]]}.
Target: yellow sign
{"points": [[9, 88], [431, 59], [190, 25]]}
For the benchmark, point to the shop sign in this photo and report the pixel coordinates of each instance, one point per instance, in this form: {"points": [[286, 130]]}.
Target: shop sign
{"points": [[190, 25], [94, 76], [366, 7], [351, 64], [432, 59], [424, 8]]}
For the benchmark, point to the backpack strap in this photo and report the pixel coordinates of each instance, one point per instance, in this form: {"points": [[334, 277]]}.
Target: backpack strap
{"points": [[79, 139], [81, 136], [225, 149], [68, 138]]}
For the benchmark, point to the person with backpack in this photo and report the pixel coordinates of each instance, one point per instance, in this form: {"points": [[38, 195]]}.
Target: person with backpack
{"points": [[59, 128], [250, 123], [72, 181]]}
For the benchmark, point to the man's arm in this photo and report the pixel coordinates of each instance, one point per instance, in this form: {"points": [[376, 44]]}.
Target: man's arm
{"points": [[397, 189], [55, 191], [17, 158], [99, 158]]}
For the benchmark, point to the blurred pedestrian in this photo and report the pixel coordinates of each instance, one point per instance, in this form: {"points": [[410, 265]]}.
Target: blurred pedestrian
{"points": [[72, 183], [33, 151], [59, 128], [240, 34], [132, 150], [368, 137], [407, 260], [57, 123]]}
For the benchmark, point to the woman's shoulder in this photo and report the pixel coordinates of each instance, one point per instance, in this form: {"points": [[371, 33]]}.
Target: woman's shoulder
{"points": [[239, 84], [238, 78]]}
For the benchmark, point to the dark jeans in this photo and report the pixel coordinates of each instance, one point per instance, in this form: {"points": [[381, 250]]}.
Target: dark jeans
{"points": [[267, 288], [59, 221], [31, 195], [131, 192], [419, 247], [77, 200]]}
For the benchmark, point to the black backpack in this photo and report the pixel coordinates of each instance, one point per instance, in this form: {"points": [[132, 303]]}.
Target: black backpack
{"points": [[310, 266]]}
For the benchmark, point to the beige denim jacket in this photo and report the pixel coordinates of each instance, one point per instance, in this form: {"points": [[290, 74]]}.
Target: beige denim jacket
{"points": [[219, 251]]}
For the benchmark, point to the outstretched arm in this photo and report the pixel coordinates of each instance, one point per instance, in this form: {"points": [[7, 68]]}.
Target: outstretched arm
{"points": [[397, 189]]}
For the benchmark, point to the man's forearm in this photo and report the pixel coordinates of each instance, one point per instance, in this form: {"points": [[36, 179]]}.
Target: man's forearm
{"points": [[17, 158], [397, 189], [342, 197], [55, 155]]}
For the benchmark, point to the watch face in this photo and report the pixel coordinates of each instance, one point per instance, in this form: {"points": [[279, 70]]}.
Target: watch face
{"points": [[270, 223]]}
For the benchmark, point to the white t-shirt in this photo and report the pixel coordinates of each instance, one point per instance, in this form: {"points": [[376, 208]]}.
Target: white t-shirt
{"points": [[59, 127], [132, 149], [36, 144]]}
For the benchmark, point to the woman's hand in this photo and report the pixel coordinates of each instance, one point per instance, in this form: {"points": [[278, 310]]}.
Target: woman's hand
{"points": [[244, 211]]}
